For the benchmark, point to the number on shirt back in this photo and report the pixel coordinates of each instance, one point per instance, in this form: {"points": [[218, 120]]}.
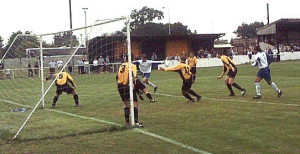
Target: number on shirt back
{"points": [[122, 68], [60, 76]]}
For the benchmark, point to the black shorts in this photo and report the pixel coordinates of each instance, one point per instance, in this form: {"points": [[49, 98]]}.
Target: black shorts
{"points": [[187, 84], [231, 73], [139, 86], [193, 70], [64, 88], [124, 93]]}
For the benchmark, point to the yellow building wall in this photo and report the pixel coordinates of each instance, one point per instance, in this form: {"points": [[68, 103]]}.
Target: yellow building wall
{"points": [[121, 47], [175, 47]]}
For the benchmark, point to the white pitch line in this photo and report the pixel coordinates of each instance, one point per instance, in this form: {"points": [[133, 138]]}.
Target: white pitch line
{"points": [[171, 141], [230, 100], [137, 130], [11, 102]]}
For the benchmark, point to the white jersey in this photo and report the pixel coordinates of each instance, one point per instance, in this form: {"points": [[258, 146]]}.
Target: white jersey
{"points": [[145, 67], [260, 60]]}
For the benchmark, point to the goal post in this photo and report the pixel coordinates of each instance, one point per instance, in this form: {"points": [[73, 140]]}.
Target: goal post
{"points": [[24, 91]]}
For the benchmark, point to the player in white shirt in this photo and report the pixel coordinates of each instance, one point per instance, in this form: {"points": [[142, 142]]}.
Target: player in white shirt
{"points": [[145, 67], [261, 61]]}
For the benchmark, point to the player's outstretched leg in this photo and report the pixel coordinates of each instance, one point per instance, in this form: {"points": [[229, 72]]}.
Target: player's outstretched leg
{"points": [[152, 85], [55, 100], [243, 90], [75, 97], [195, 94], [274, 86], [186, 95], [230, 89]]}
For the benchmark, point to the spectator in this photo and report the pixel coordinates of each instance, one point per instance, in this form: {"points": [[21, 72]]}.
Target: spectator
{"points": [[86, 67], [177, 58], [107, 64], [70, 68], [154, 57], [95, 65], [101, 64], [30, 72], [52, 66], [36, 68], [80, 66], [199, 54], [249, 53]]}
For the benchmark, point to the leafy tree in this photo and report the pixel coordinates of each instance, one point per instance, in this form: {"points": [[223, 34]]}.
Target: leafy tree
{"points": [[248, 31], [142, 24], [144, 16], [179, 29], [21, 43], [63, 39]]}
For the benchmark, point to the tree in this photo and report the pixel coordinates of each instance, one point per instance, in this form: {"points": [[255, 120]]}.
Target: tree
{"points": [[248, 31], [18, 48], [63, 39], [144, 16], [142, 24], [1, 46]]}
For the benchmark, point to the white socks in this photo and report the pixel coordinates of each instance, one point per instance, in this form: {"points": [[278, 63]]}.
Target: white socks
{"points": [[273, 85], [257, 87], [151, 84]]}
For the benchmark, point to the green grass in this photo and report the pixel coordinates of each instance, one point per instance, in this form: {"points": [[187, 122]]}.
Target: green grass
{"points": [[216, 124]]}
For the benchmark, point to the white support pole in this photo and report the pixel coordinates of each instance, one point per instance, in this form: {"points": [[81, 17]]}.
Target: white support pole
{"points": [[42, 69], [130, 73]]}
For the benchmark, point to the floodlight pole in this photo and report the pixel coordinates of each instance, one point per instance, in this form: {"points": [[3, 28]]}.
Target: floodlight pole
{"points": [[168, 19], [71, 37]]}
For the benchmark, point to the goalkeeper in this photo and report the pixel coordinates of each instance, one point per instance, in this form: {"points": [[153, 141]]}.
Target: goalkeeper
{"points": [[62, 86]]}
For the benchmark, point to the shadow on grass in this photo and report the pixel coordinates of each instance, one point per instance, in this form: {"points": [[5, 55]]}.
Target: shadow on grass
{"points": [[89, 132]]}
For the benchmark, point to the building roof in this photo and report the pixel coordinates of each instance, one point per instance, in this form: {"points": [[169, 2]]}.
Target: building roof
{"points": [[191, 36], [273, 27]]}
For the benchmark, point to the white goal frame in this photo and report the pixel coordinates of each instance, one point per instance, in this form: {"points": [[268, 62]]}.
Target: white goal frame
{"points": [[96, 23]]}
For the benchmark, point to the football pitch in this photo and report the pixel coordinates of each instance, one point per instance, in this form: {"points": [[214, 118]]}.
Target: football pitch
{"points": [[216, 124]]}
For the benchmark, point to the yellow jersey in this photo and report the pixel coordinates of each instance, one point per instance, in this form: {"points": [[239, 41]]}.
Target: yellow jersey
{"points": [[63, 78], [123, 73], [227, 62], [183, 69], [192, 62]]}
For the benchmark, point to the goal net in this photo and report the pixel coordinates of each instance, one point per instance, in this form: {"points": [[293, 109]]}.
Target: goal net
{"points": [[31, 58]]}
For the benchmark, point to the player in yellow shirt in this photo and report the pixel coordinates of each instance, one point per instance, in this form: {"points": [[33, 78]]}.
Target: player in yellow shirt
{"points": [[124, 91], [62, 85], [229, 65], [184, 71], [192, 62]]}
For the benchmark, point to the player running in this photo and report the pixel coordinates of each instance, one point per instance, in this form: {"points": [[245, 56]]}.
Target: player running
{"points": [[192, 62], [63, 86], [124, 91], [263, 72], [229, 79], [145, 67], [184, 71]]}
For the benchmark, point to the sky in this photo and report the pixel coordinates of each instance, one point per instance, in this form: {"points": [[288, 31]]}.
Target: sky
{"points": [[205, 17]]}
